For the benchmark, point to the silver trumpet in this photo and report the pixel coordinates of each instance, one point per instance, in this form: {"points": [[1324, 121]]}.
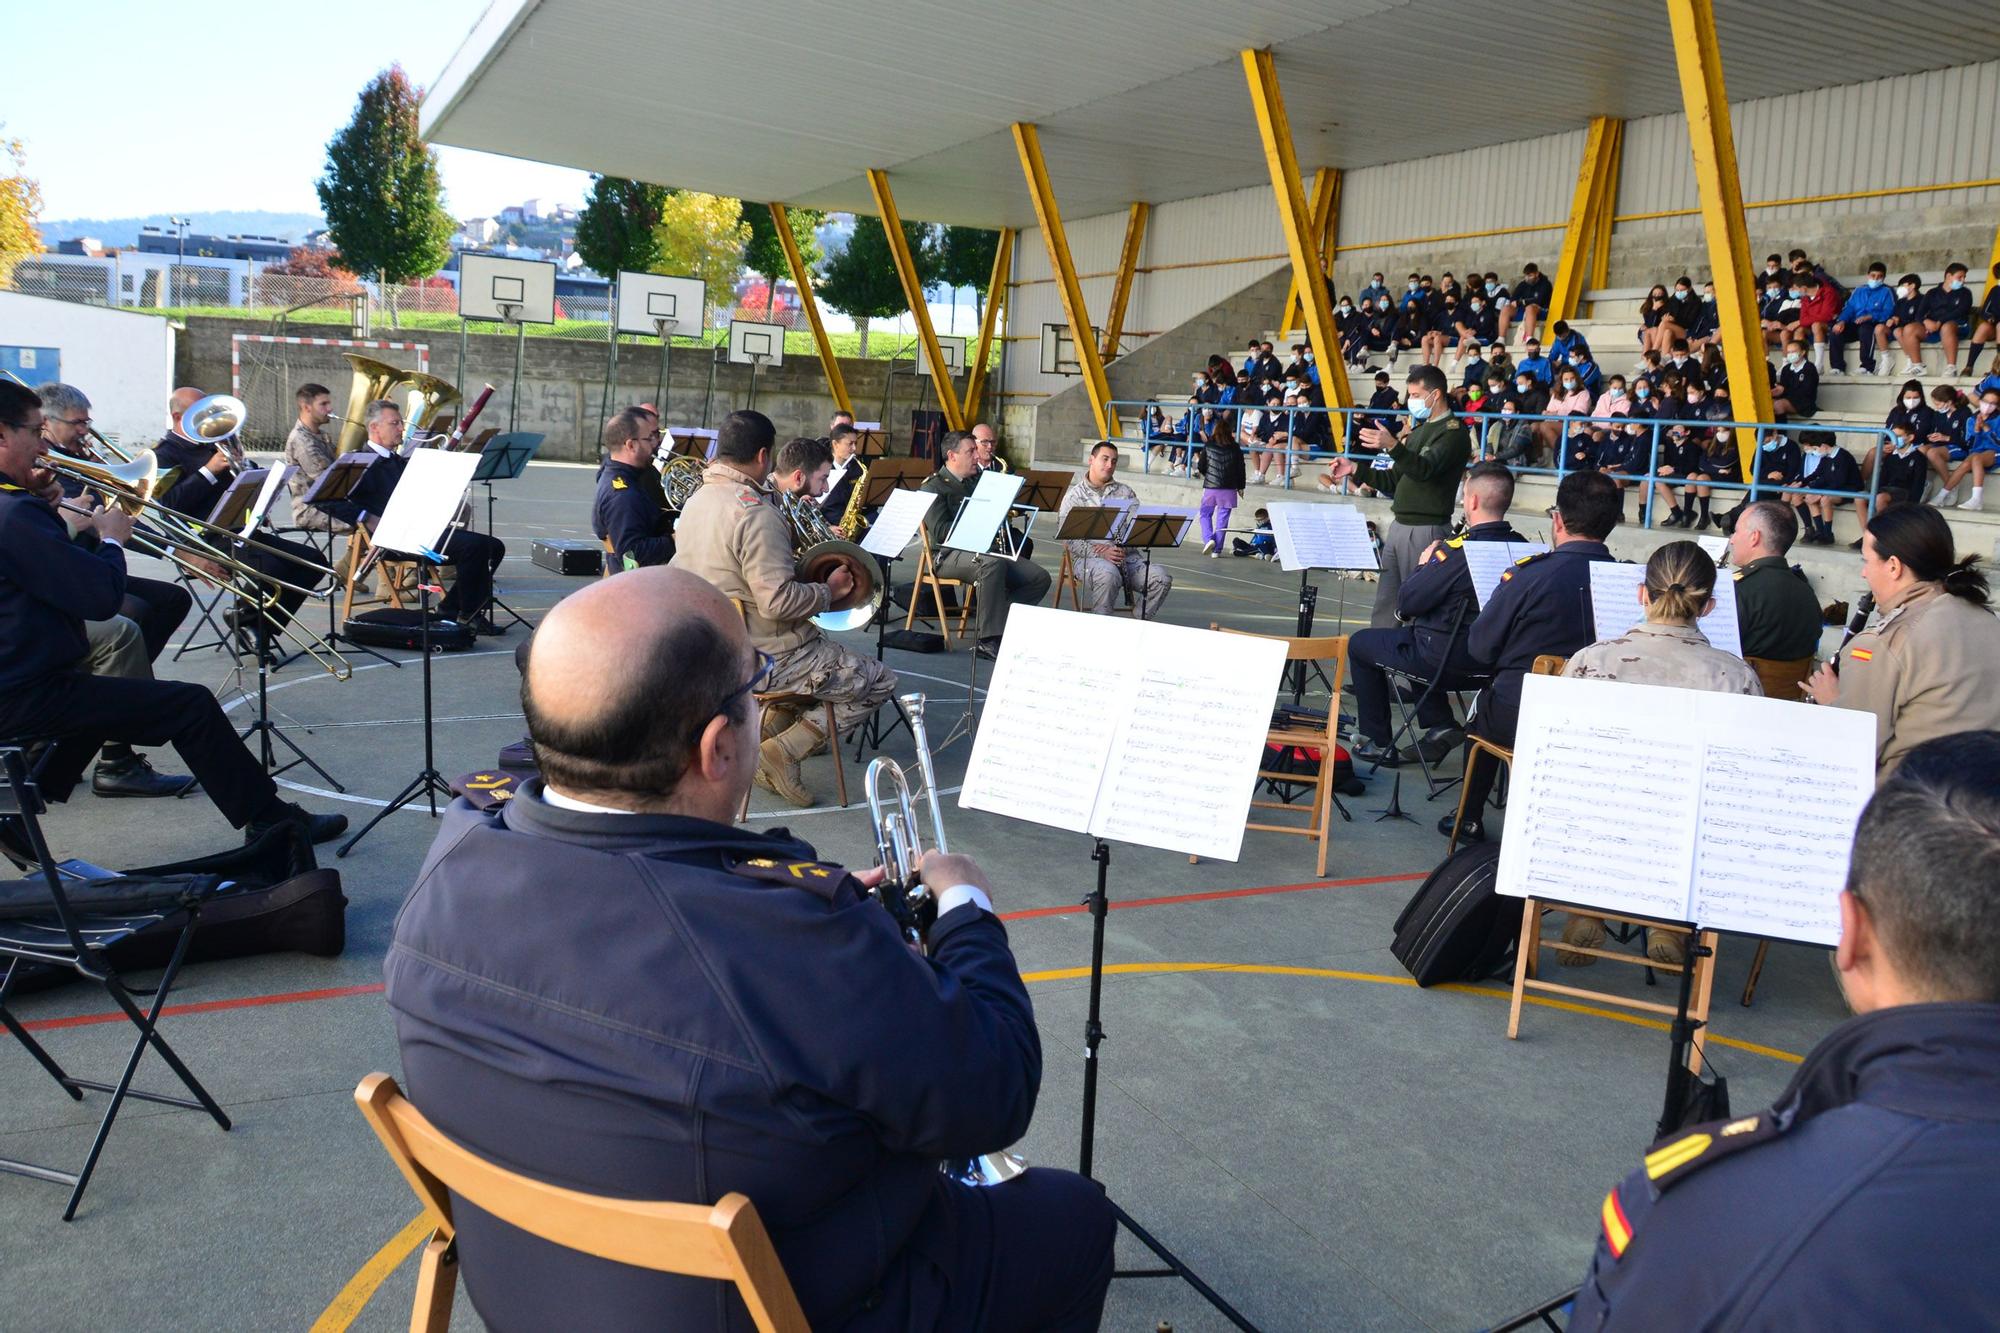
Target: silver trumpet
{"points": [[899, 850]]}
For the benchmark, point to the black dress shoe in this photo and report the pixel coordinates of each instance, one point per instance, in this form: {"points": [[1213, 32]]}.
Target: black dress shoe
{"points": [[989, 649], [1436, 746], [1365, 751], [135, 776], [319, 828], [1469, 831]]}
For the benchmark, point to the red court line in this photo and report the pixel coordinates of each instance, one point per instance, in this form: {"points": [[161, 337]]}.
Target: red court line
{"points": [[344, 992]]}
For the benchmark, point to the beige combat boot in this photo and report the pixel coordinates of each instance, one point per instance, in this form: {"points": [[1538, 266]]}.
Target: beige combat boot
{"points": [[778, 718], [1586, 932], [778, 762]]}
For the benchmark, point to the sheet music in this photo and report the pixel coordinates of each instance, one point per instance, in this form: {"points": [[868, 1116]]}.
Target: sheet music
{"points": [[983, 512], [1614, 605], [1321, 536], [1487, 561], [1778, 815], [1733, 812], [896, 523], [426, 498], [1717, 548], [274, 480], [1129, 730]]}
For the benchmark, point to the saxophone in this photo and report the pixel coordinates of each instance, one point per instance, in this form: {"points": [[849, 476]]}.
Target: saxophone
{"points": [[849, 527]]}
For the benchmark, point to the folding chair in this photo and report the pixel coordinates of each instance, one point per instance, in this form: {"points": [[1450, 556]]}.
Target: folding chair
{"points": [[1548, 664], [1067, 576], [66, 937], [727, 1242], [207, 612], [1321, 738], [928, 579], [390, 575], [1424, 688], [1532, 942]]}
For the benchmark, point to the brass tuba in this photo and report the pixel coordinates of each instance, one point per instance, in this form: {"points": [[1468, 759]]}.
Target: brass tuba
{"points": [[427, 396], [820, 551]]}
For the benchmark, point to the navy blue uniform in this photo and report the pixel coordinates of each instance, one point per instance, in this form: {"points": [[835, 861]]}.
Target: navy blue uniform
{"points": [[194, 492], [474, 554], [660, 1007], [1541, 606], [1780, 462], [49, 585], [1799, 386], [1435, 599], [1862, 1199], [631, 513]]}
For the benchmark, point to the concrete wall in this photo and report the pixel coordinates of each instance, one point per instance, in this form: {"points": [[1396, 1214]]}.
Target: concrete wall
{"points": [[123, 362], [562, 383]]}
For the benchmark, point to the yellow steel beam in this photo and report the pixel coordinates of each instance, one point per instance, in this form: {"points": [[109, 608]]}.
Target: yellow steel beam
{"points": [[1028, 143], [1698, 53], [996, 296], [1326, 220], [913, 292], [1121, 290], [1600, 249], [803, 281], [1260, 70], [1580, 233]]}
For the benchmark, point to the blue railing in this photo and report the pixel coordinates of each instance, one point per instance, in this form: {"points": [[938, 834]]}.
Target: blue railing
{"points": [[1486, 426]]}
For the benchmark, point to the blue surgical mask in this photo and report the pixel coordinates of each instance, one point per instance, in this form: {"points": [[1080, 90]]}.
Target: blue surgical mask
{"points": [[1770, 446], [1644, 391], [1420, 408], [1951, 284], [1793, 358], [1410, 286], [1478, 306], [1797, 292], [1874, 282]]}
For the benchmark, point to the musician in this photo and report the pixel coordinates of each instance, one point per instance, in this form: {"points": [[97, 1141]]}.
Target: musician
{"points": [[840, 418], [1001, 581], [720, 1012], [474, 555], [1106, 569], [1863, 1197], [631, 509], [1436, 606], [128, 643], [847, 470], [986, 447], [801, 469], [309, 450], [205, 471], [731, 535], [1776, 612], [1541, 606], [49, 585]]}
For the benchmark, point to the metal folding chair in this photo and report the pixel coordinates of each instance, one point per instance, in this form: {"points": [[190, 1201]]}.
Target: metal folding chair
{"points": [[1421, 690], [207, 613], [68, 938]]}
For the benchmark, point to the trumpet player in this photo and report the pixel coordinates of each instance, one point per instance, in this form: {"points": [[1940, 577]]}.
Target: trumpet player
{"points": [[630, 511], [206, 469], [731, 535], [721, 1011], [49, 586], [128, 643]]}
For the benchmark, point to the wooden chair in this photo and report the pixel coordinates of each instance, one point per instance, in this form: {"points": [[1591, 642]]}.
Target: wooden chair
{"points": [[799, 703], [611, 561], [1330, 649], [1781, 679], [1067, 577], [1532, 943], [1548, 664], [929, 580], [727, 1242], [393, 577]]}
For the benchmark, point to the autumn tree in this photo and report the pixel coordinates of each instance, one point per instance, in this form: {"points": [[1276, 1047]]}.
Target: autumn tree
{"points": [[702, 235], [616, 231], [381, 193], [20, 207], [764, 253], [325, 278]]}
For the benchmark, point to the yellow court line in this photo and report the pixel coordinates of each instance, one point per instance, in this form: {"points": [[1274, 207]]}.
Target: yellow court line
{"points": [[354, 1297]]}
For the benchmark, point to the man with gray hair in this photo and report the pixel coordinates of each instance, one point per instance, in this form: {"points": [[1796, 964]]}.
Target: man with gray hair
{"points": [[1864, 1197], [1775, 607]]}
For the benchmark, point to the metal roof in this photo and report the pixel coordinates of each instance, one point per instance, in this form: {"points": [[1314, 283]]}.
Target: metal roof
{"points": [[1137, 99]]}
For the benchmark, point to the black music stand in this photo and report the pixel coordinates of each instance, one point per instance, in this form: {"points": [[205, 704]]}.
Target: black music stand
{"points": [[337, 483], [1150, 532], [504, 458], [868, 443], [429, 783]]}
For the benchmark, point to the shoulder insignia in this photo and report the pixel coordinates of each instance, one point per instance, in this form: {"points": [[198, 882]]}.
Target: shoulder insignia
{"points": [[486, 790], [1860, 654], [1703, 1146], [1617, 1227], [749, 499], [1738, 575], [618, 483], [822, 879], [1459, 540]]}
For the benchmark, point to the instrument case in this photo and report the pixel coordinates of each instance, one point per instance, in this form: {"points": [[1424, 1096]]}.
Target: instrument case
{"points": [[567, 555], [394, 627]]}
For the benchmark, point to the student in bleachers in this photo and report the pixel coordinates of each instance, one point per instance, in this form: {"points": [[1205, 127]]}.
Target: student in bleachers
{"points": [[1568, 399], [1353, 324], [1653, 320], [1296, 368], [1527, 398], [1442, 330], [1381, 330], [1938, 433], [1679, 464], [1943, 315], [1311, 431], [1988, 328], [1475, 369], [1719, 462], [1250, 353], [1818, 309], [1252, 430], [1828, 467], [1478, 324], [1777, 311], [1533, 363], [1683, 308], [1712, 371], [1530, 303], [1774, 267], [1798, 384], [1588, 372], [1266, 366], [1902, 472], [1863, 320], [1707, 326], [1650, 367], [1375, 292], [1499, 362], [1779, 461], [1976, 452], [1681, 357], [1567, 341], [1412, 323]]}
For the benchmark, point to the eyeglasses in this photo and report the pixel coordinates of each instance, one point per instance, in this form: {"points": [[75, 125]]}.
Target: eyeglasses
{"points": [[757, 677], [78, 422]]}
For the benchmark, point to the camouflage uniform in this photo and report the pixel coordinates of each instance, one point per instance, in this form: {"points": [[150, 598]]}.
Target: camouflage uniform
{"points": [[1102, 580]]}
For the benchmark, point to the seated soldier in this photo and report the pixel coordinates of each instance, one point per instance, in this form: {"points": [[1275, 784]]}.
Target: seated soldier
{"points": [[1105, 570], [1001, 579], [1777, 614], [631, 510]]}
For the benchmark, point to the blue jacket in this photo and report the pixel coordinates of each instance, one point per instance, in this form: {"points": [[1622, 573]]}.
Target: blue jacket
{"points": [[658, 1007], [1862, 1199], [1541, 367], [630, 510], [1438, 591], [1864, 302], [1541, 606], [49, 586]]}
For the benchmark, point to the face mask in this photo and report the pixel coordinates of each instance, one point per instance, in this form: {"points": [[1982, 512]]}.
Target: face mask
{"points": [[1913, 402], [1796, 293], [1309, 356], [1411, 286], [1570, 385], [1906, 291], [1708, 297], [1793, 358], [1523, 385], [1492, 288], [1375, 281], [1346, 309], [1478, 354], [1770, 446], [1576, 361], [1478, 306], [1420, 408], [1874, 282], [1680, 293], [1988, 409], [1644, 391]]}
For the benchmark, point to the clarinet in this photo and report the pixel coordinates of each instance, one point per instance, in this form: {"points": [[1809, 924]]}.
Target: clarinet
{"points": [[1862, 610]]}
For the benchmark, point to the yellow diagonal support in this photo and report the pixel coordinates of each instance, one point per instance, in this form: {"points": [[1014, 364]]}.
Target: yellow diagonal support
{"points": [[803, 281], [1326, 224], [1121, 290], [1028, 143], [1600, 250], [913, 292], [996, 296], [1585, 204], [1698, 54], [1261, 72]]}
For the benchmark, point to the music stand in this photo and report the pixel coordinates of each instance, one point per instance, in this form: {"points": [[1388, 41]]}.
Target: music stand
{"points": [[887, 537], [868, 441], [1152, 530], [1089, 523], [339, 482], [504, 458], [1042, 488]]}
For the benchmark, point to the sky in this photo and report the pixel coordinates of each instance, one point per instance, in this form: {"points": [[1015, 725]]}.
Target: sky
{"points": [[199, 104]]}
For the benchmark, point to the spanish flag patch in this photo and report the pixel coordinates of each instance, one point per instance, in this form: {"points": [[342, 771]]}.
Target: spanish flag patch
{"points": [[1617, 1231], [1861, 654]]}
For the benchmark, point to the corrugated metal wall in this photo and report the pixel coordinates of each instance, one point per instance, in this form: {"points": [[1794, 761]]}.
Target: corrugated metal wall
{"points": [[1921, 129]]}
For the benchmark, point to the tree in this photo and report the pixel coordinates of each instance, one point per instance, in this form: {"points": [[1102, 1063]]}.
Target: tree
{"points": [[20, 207], [381, 194], [860, 282], [330, 280], [615, 230], [702, 235], [965, 259], [764, 253]]}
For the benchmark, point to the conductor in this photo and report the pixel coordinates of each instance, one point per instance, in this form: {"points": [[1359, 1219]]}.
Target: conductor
{"points": [[721, 1011]]}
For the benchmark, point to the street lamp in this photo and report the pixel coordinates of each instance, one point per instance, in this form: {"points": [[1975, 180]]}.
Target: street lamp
{"points": [[175, 287]]}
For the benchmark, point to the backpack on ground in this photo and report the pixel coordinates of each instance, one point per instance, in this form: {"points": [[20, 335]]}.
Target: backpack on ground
{"points": [[1456, 928]]}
